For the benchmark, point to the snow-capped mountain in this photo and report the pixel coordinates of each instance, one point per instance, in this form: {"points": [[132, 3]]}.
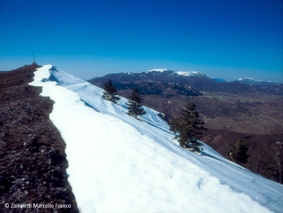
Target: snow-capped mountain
{"points": [[191, 73], [194, 79], [120, 164], [157, 70], [182, 73], [252, 81], [160, 75]]}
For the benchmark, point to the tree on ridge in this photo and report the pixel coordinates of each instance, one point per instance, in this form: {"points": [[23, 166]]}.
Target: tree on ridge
{"points": [[135, 104], [110, 93]]}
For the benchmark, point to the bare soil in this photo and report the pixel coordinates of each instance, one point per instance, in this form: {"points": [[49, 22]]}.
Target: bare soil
{"points": [[32, 153]]}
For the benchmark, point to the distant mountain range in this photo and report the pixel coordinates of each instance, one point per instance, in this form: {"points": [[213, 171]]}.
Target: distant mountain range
{"points": [[252, 81], [195, 80]]}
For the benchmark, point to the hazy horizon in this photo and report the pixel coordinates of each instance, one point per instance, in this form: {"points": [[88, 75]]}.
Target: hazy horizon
{"points": [[222, 39]]}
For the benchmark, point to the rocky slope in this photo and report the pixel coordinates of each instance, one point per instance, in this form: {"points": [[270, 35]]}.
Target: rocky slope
{"points": [[32, 153]]}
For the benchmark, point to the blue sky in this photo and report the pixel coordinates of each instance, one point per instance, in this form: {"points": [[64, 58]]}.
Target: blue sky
{"points": [[225, 38]]}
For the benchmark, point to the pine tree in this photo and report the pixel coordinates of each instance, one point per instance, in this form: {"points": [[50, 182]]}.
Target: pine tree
{"points": [[110, 93], [238, 152], [275, 153], [135, 104], [188, 128]]}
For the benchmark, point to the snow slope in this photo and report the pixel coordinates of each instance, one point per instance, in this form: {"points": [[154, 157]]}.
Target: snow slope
{"points": [[191, 73], [157, 70], [183, 73], [253, 81], [119, 164]]}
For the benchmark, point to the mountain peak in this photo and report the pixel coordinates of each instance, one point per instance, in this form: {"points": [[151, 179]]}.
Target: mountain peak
{"points": [[190, 73], [157, 70], [181, 73]]}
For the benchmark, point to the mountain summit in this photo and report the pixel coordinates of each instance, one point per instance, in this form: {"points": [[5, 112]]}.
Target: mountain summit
{"points": [[159, 75], [182, 73], [120, 164], [194, 79]]}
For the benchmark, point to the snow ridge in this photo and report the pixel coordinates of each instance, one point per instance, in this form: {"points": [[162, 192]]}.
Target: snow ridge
{"points": [[156, 70], [182, 73], [136, 166], [190, 73], [253, 81], [246, 78]]}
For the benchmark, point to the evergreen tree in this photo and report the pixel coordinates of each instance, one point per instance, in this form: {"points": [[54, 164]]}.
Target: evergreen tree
{"points": [[275, 153], [135, 104], [238, 152], [188, 128], [110, 93]]}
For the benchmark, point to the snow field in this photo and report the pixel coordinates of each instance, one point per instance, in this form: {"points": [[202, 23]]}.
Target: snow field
{"points": [[119, 164]]}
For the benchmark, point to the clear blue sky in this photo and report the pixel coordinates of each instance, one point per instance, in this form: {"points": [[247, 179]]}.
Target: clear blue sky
{"points": [[225, 38]]}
